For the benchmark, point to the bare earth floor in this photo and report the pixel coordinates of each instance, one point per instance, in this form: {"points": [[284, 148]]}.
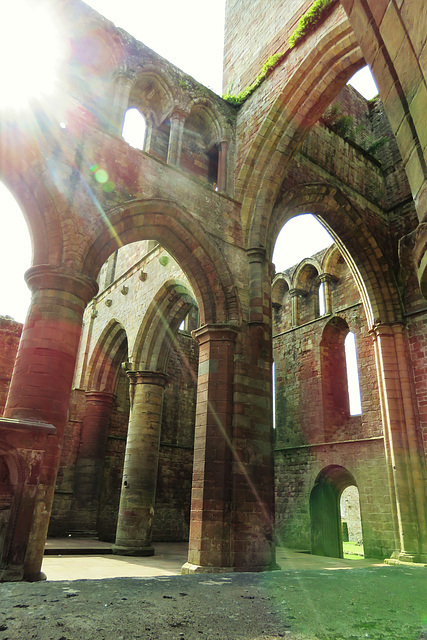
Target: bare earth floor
{"points": [[312, 598]]}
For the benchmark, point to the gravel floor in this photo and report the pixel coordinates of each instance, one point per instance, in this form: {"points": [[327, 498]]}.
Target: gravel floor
{"points": [[380, 603]]}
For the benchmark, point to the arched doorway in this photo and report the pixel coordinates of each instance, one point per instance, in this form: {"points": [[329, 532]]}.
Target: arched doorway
{"points": [[325, 514]]}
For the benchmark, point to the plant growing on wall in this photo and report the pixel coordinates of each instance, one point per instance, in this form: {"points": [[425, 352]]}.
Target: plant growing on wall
{"points": [[318, 11]]}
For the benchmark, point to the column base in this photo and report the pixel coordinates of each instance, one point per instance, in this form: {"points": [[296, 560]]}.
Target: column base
{"points": [[120, 550], [189, 568], [404, 558]]}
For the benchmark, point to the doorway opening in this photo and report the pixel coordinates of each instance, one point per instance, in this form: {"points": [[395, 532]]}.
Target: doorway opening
{"points": [[329, 504]]}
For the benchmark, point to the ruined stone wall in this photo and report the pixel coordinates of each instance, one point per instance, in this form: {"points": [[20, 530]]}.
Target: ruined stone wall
{"points": [[260, 29], [10, 334], [306, 441]]}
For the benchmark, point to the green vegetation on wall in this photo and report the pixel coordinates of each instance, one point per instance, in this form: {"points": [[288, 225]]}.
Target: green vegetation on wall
{"points": [[308, 22]]}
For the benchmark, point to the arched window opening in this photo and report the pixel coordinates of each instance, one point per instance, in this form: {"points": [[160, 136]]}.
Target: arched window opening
{"points": [[213, 159], [15, 258], [302, 236], [322, 305], [351, 523], [134, 128], [353, 382], [363, 81]]}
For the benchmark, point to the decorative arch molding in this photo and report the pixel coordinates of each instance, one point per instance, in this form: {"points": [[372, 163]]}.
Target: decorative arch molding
{"points": [[362, 253], [298, 105], [219, 128], [330, 260], [304, 271], [184, 238], [155, 79], [160, 325], [107, 357], [32, 194]]}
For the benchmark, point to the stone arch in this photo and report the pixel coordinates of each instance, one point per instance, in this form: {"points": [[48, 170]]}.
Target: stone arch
{"points": [[32, 194], [325, 519], [362, 253], [169, 307], [306, 282], [152, 94], [330, 261], [281, 285], [303, 274], [296, 108], [203, 133], [108, 354], [184, 238]]}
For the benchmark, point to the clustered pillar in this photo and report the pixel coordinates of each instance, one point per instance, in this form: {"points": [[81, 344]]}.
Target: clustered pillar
{"points": [[402, 453], [137, 498]]}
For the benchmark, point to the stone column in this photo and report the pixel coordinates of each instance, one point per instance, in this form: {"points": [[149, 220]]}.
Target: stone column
{"points": [[177, 121], [295, 301], [400, 439], [123, 87], [211, 536], [41, 383], [90, 462], [138, 494], [222, 166], [326, 279], [258, 299]]}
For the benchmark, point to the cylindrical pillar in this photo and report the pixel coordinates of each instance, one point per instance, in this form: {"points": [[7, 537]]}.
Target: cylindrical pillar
{"points": [[177, 121], [41, 383], [138, 494], [90, 463]]}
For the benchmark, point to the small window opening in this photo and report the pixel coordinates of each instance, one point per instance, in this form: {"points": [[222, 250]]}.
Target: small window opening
{"points": [[322, 306], [213, 167], [182, 326], [353, 382], [134, 128]]}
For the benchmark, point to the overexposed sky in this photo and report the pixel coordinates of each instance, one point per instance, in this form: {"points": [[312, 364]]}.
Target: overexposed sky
{"points": [[189, 33]]}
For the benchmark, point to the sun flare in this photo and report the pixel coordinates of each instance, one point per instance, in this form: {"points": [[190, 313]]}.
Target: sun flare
{"points": [[30, 53]]}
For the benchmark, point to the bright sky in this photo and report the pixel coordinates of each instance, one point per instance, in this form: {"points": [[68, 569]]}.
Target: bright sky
{"points": [[189, 33]]}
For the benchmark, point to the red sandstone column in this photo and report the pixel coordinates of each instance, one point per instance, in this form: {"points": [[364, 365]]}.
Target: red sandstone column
{"points": [[42, 377], [137, 498], [211, 501], [222, 166], [404, 471], [176, 133], [90, 462]]}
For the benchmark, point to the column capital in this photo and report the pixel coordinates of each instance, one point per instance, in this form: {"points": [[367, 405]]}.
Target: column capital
{"points": [[179, 113], [326, 277], [47, 276], [105, 397], [147, 377], [294, 293], [215, 332], [386, 329], [256, 254]]}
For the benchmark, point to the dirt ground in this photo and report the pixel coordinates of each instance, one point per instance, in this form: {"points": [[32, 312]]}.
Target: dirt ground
{"points": [[378, 603]]}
